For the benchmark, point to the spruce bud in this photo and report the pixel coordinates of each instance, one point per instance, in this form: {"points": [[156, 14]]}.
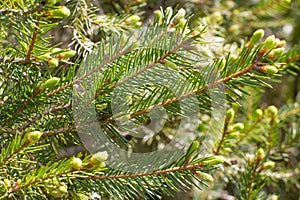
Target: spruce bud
{"points": [[181, 13], [76, 163], [269, 69], [268, 44], [50, 83], [34, 136], [59, 12], [213, 160], [99, 157], [63, 189], [238, 126], [256, 37], [158, 16], [230, 114], [204, 176], [272, 110], [268, 165], [281, 43], [250, 158], [181, 23], [67, 54], [260, 154], [132, 19], [7, 183], [275, 53], [52, 2], [53, 62], [258, 113], [43, 57], [171, 65]]}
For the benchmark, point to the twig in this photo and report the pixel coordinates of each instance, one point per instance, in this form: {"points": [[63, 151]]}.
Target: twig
{"points": [[192, 168]]}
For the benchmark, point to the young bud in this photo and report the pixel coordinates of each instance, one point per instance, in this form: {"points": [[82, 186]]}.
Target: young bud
{"points": [[260, 154], [272, 111], [101, 165], [269, 69], [181, 13], [234, 134], [56, 50], [250, 158], [282, 43], [258, 113], [227, 150], [53, 62], [216, 17], [19, 181], [171, 65], [132, 19], [67, 54], [50, 83], [238, 126], [268, 165], [76, 163], [273, 197], [182, 23], [204, 176], [213, 160], [59, 12], [256, 37], [52, 2], [234, 29], [63, 189], [7, 183], [56, 194], [43, 57], [230, 114], [100, 19], [275, 53], [268, 44], [99, 157], [70, 53], [34, 136]]}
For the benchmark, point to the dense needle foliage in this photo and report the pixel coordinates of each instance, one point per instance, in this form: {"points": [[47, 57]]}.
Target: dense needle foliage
{"points": [[136, 99]]}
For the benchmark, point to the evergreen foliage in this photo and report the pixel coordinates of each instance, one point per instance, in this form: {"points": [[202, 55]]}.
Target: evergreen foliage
{"points": [[70, 68]]}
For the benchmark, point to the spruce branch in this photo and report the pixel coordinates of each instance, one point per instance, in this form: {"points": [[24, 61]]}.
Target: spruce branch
{"points": [[225, 127], [79, 79], [51, 110], [217, 83], [40, 180], [33, 41], [19, 143], [58, 131], [192, 168], [33, 95]]}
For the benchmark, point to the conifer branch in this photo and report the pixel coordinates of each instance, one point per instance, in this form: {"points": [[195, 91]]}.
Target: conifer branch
{"points": [[107, 61], [13, 154], [33, 41], [201, 90], [217, 150], [164, 172], [33, 95], [51, 110]]}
